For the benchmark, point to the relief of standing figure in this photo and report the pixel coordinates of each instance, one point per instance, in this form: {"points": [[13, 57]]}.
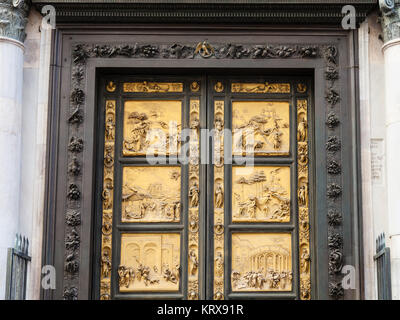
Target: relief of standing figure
{"points": [[194, 195], [219, 197]]}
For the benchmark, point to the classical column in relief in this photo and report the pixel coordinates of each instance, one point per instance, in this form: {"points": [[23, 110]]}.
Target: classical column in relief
{"points": [[13, 18], [391, 29]]}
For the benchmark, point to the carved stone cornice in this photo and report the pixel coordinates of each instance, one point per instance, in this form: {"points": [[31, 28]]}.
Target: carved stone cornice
{"points": [[13, 18], [390, 19], [206, 11]]}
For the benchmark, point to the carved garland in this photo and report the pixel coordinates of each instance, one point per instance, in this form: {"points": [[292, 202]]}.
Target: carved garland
{"points": [[334, 169], [82, 52], [74, 169]]}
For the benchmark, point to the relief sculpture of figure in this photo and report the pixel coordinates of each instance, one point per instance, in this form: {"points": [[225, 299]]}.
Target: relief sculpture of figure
{"points": [[105, 264], [303, 195], [305, 261], [110, 128], [194, 195], [302, 131], [219, 124], [251, 207], [126, 276], [106, 195], [277, 140], [172, 276], [193, 262], [219, 264], [144, 273], [219, 197], [177, 211], [139, 128]]}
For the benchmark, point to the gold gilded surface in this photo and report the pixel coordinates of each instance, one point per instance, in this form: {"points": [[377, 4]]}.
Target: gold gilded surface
{"points": [[194, 86], [261, 87], [303, 199], [261, 262], [151, 194], [149, 262], [219, 87], [301, 88], [152, 126], [261, 126], [153, 87], [219, 200], [194, 193], [107, 201], [111, 86], [261, 194]]}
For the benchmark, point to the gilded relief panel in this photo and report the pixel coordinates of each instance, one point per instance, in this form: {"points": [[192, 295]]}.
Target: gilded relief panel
{"points": [[194, 200], [153, 87], [261, 87], [261, 194], [151, 194], [262, 126], [149, 262], [107, 196], [219, 205], [303, 199], [152, 126], [261, 262]]}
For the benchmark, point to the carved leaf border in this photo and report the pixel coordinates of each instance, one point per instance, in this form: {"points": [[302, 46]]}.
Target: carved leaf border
{"points": [[334, 172], [83, 51]]}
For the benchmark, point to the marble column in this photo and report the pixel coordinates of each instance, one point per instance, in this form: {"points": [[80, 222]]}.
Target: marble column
{"points": [[391, 50], [13, 18]]}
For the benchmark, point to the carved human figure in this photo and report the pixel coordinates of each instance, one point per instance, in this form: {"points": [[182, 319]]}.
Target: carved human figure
{"points": [[106, 195], [251, 207], [219, 197], [194, 124], [105, 264], [218, 124], [108, 157], [303, 160], [169, 276], [193, 262], [219, 264], [110, 128], [194, 86], [139, 130], [235, 276], [194, 195], [305, 261], [260, 280], [169, 211], [219, 87], [276, 137], [302, 131], [121, 275], [303, 195], [177, 271], [177, 211], [142, 208]]}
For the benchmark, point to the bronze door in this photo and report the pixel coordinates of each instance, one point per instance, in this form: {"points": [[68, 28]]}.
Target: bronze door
{"points": [[176, 221]]}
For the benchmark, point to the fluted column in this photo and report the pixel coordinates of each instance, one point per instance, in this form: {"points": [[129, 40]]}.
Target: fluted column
{"points": [[391, 49], [13, 19]]}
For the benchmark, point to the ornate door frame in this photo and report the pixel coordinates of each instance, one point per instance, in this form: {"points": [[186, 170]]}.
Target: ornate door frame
{"points": [[81, 53]]}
